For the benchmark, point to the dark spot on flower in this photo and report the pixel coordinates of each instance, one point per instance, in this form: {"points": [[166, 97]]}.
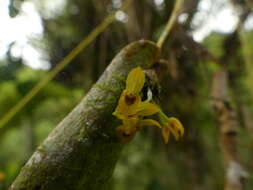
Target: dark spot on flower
{"points": [[231, 133], [125, 134], [130, 99]]}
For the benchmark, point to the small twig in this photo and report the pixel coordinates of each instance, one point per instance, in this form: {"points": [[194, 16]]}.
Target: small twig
{"points": [[170, 23]]}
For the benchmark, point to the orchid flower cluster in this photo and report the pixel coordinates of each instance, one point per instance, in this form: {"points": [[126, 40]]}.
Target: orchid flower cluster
{"points": [[132, 111]]}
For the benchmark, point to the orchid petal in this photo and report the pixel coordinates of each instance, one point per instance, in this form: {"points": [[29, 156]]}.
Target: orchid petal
{"points": [[147, 108], [174, 132], [150, 122], [165, 134], [135, 81], [177, 125]]}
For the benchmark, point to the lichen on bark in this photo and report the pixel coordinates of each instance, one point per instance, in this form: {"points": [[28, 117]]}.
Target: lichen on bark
{"points": [[81, 152]]}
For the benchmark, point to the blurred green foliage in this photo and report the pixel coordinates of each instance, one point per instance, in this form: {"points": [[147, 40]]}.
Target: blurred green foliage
{"points": [[41, 115], [146, 163]]}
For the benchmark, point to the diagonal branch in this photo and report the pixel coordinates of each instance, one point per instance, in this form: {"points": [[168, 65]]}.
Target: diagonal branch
{"points": [[65, 61], [81, 152]]}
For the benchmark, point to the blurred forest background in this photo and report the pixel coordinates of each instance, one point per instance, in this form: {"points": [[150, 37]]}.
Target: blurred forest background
{"points": [[210, 35]]}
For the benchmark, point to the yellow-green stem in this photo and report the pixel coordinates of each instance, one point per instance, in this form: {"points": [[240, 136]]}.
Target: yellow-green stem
{"points": [[170, 23], [66, 60]]}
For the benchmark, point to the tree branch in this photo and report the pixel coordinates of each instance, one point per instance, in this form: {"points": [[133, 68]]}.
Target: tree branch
{"points": [[81, 152]]}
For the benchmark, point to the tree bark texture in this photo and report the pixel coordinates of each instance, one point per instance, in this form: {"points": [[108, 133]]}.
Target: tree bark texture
{"points": [[81, 152], [228, 128]]}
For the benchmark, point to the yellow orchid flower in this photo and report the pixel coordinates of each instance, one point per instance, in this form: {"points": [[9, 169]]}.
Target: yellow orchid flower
{"points": [[170, 125], [130, 98], [127, 131], [130, 107], [127, 105], [130, 126], [130, 103], [131, 110]]}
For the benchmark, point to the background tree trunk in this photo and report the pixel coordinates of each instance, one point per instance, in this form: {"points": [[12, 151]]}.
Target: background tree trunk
{"points": [[228, 128]]}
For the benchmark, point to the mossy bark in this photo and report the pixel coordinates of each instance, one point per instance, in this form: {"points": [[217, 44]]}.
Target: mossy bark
{"points": [[81, 152]]}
